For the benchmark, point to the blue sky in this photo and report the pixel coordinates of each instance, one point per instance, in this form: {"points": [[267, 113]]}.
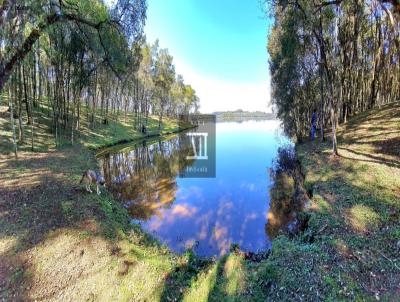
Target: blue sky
{"points": [[218, 46]]}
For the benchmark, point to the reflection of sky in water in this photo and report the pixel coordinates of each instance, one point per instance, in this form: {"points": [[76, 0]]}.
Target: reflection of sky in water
{"points": [[231, 208]]}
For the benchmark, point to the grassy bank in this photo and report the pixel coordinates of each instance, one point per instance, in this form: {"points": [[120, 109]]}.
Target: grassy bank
{"points": [[351, 249], [93, 136], [57, 242], [118, 132]]}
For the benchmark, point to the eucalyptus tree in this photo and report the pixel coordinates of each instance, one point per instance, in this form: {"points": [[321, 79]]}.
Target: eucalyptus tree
{"points": [[283, 50], [35, 17], [69, 58], [145, 74], [178, 96], [337, 57], [164, 76], [55, 47]]}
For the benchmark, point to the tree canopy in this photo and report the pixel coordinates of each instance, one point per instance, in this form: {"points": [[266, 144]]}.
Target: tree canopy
{"points": [[60, 55], [339, 58]]}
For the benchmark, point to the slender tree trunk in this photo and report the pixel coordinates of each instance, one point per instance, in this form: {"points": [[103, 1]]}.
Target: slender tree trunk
{"points": [[13, 123], [333, 119], [26, 101], [32, 125], [161, 115], [321, 114], [20, 125]]}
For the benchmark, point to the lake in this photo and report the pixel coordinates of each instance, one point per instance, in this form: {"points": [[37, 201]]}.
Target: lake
{"points": [[206, 214]]}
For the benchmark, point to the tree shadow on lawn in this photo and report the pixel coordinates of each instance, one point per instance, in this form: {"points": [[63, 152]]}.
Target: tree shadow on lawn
{"points": [[353, 230], [361, 226], [371, 158], [207, 280], [359, 139], [389, 146], [359, 214], [31, 213], [229, 283], [28, 216], [181, 278], [388, 112]]}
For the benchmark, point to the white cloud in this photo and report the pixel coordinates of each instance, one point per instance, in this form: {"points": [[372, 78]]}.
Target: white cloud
{"points": [[110, 3], [221, 95]]}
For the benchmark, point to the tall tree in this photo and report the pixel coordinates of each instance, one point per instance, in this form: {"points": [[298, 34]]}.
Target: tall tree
{"points": [[339, 57], [164, 77], [37, 16]]}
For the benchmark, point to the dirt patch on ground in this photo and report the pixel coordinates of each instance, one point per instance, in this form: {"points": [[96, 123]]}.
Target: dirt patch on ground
{"points": [[43, 215]]}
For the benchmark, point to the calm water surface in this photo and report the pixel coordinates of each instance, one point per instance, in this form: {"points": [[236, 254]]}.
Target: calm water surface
{"points": [[208, 214]]}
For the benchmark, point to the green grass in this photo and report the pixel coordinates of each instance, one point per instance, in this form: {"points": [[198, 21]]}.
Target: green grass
{"points": [[122, 132], [354, 219], [93, 136], [58, 242]]}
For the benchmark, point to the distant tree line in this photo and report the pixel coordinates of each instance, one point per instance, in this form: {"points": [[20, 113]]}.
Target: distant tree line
{"points": [[242, 115], [63, 56], [339, 58]]}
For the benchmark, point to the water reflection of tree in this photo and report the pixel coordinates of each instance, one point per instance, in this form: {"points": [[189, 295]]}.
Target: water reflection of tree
{"points": [[283, 206], [146, 176]]}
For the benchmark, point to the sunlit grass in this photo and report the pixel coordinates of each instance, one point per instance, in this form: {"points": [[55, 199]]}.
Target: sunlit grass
{"points": [[92, 135], [222, 281], [362, 218]]}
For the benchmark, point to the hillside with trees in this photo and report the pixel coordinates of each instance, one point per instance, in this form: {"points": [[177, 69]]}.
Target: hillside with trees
{"points": [[60, 60], [335, 67], [339, 58]]}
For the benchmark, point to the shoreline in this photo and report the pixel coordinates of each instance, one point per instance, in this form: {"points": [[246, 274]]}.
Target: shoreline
{"points": [[103, 149], [139, 139]]}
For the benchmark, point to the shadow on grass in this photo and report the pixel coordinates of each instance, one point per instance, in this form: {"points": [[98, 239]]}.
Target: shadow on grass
{"points": [[206, 280], [355, 239], [219, 290], [181, 278], [361, 139], [388, 146], [354, 221], [386, 112], [372, 158]]}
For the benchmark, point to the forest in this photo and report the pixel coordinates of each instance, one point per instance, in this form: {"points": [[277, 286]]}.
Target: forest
{"points": [[339, 58], [63, 59]]}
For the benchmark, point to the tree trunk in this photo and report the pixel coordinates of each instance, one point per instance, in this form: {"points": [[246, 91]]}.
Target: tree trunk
{"points": [[20, 124], [10, 102], [26, 101]]}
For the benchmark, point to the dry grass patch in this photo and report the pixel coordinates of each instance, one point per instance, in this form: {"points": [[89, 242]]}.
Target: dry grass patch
{"points": [[362, 218]]}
